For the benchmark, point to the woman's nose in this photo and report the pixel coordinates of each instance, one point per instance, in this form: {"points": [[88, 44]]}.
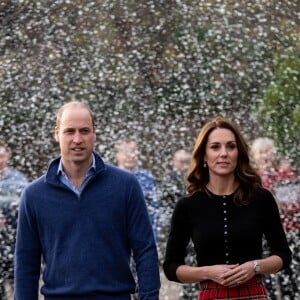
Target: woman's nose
{"points": [[224, 151]]}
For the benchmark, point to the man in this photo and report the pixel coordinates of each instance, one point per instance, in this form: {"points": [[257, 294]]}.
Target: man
{"points": [[12, 182], [84, 218], [173, 185], [127, 159]]}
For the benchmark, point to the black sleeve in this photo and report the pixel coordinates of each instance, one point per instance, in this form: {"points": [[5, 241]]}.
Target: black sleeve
{"points": [[274, 232], [178, 240]]}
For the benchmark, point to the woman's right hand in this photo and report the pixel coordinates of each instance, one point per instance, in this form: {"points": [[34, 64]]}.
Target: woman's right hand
{"points": [[216, 272]]}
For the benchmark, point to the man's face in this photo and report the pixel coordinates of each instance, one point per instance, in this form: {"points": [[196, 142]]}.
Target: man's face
{"points": [[76, 136], [181, 161], [4, 158], [127, 156]]}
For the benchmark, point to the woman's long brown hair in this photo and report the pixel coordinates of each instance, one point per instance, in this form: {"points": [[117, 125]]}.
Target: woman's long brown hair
{"points": [[198, 176]]}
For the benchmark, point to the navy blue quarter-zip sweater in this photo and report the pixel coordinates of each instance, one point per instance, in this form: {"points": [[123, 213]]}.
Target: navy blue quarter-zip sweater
{"points": [[85, 241]]}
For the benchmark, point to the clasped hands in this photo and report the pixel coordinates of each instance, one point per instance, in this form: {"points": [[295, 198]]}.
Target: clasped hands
{"points": [[232, 275]]}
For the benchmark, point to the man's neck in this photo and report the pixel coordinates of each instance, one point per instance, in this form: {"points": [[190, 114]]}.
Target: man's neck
{"points": [[3, 171], [127, 169], [76, 172]]}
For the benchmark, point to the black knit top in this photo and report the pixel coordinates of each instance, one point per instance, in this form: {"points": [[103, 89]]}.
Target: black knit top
{"points": [[224, 232]]}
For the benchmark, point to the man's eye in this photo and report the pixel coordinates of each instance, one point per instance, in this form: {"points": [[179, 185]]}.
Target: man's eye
{"points": [[85, 131], [69, 131]]}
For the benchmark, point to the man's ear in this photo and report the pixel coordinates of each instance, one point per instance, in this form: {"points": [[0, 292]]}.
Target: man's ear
{"points": [[56, 129], [95, 134]]}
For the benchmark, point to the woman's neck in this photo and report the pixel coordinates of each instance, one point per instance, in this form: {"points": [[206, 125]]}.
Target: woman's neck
{"points": [[222, 186]]}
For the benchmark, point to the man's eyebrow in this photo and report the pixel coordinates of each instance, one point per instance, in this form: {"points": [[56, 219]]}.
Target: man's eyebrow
{"points": [[68, 128]]}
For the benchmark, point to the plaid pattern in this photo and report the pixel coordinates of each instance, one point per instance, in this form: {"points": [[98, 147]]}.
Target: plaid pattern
{"points": [[252, 289]]}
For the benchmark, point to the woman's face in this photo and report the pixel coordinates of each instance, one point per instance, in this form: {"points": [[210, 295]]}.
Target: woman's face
{"points": [[221, 152]]}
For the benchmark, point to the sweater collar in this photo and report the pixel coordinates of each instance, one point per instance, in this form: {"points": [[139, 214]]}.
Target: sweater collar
{"points": [[53, 169]]}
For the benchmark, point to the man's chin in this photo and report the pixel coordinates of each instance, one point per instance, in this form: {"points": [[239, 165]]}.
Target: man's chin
{"points": [[78, 159]]}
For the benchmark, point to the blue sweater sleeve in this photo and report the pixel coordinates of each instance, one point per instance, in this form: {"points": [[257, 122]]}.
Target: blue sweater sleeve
{"points": [[27, 254]]}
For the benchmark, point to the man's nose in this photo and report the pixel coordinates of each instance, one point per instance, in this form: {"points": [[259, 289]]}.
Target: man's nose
{"points": [[77, 137]]}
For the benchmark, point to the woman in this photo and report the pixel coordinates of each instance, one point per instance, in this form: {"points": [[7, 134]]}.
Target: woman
{"points": [[226, 214]]}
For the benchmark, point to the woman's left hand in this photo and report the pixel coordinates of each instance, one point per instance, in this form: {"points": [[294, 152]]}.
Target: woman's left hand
{"points": [[238, 275]]}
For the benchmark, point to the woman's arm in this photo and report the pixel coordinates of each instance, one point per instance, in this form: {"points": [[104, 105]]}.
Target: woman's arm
{"points": [[229, 275], [188, 274], [268, 265]]}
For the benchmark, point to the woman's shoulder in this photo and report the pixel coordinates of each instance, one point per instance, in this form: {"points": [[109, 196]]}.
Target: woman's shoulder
{"points": [[263, 196], [261, 191], [193, 198]]}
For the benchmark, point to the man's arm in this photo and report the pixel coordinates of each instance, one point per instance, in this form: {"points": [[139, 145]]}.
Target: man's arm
{"points": [[27, 254]]}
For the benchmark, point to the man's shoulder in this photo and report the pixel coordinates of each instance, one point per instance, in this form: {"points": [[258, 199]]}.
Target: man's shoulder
{"points": [[14, 173], [36, 183], [118, 173]]}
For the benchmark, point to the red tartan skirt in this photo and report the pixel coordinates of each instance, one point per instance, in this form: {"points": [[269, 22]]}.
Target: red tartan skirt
{"points": [[252, 289]]}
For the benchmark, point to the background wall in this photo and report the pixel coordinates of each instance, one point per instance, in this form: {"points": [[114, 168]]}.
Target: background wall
{"points": [[155, 69]]}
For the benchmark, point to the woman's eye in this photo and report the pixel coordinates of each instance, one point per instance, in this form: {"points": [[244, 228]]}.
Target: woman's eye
{"points": [[214, 146], [231, 146]]}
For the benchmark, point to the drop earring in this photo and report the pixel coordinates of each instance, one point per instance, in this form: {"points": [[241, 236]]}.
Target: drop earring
{"points": [[204, 164]]}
